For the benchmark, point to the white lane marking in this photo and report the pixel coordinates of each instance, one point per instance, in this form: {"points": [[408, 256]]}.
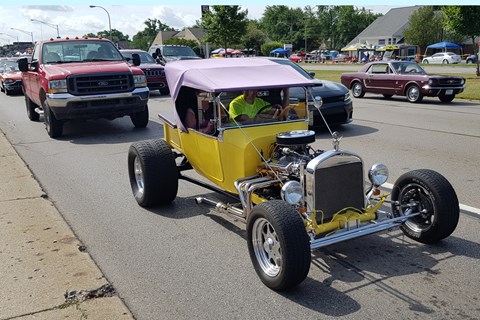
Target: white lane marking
{"points": [[462, 206]]}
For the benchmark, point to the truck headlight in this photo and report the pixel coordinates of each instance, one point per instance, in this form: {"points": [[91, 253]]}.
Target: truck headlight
{"points": [[292, 192], [140, 80], [378, 174], [57, 86]]}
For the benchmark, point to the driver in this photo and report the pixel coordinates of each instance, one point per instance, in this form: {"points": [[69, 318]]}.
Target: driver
{"points": [[245, 108]]}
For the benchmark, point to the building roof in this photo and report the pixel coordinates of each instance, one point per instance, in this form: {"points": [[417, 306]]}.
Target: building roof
{"points": [[390, 25]]}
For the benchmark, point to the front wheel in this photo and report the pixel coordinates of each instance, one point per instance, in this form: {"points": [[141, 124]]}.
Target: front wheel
{"points": [[153, 172], [445, 98], [53, 126], [413, 94], [357, 90], [140, 119], [445, 61], [278, 245], [31, 113], [430, 193]]}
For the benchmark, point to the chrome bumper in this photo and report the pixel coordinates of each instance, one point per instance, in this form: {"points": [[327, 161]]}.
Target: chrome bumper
{"points": [[57, 100]]}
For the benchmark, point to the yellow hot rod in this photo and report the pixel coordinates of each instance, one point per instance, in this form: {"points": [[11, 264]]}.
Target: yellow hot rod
{"points": [[293, 198]]}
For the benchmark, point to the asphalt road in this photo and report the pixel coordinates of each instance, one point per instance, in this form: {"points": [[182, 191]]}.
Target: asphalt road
{"points": [[184, 261]]}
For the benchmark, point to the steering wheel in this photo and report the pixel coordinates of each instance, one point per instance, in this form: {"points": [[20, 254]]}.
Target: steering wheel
{"points": [[413, 71], [268, 106]]}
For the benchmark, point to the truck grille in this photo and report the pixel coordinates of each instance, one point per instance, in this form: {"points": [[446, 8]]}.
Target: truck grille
{"points": [[100, 83], [154, 73], [336, 183]]}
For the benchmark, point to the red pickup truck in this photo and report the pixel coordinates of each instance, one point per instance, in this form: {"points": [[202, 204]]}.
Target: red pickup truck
{"points": [[82, 78]]}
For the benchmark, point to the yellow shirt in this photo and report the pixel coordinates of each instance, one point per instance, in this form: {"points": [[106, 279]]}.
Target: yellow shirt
{"points": [[239, 106]]}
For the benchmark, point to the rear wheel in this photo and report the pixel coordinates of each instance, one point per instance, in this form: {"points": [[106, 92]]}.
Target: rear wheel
{"points": [[445, 98], [425, 61], [430, 193], [357, 90], [53, 126], [278, 245], [31, 113], [445, 61], [153, 172], [413, 94], [140, 119]]}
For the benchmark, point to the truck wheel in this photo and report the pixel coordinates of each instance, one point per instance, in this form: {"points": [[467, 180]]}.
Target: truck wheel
{"points": [[413, 94], [430, 192], [140, 119], [153, 172], [278, 245], [357, 90], [31, 113], [52, 124]]}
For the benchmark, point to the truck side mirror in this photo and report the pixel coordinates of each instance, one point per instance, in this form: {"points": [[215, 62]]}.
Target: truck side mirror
{"points": [[23, 64], [136, 59]]}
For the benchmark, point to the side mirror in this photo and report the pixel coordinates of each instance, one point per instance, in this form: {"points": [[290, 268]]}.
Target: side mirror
{"points": [[136, 59], [23, 64]]}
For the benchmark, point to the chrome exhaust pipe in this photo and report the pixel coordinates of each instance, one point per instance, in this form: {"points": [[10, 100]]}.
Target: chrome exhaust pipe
{"points": [[222, 207]]}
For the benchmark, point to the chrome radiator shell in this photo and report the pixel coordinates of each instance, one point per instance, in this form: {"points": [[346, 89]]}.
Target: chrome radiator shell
{"points": [[334, 180]]}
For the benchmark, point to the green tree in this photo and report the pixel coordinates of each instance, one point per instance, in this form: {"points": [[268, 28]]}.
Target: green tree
{"points": [[116, 35], [464, 20], [143, 39], [224, 25], [284, 24], [269, 46], [254, 37], [425, 27]]}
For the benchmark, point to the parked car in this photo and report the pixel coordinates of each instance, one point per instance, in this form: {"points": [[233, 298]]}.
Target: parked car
{"points": [[471, 59], [337, 107], [443, 57], [292, 197], [295, 58], [154, 72], [402, 78], [10, 76], [163, 53]]}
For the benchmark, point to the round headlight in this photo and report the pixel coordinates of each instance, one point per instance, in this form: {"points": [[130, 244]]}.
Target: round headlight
{"points": [[378, 174], [292, 192]]}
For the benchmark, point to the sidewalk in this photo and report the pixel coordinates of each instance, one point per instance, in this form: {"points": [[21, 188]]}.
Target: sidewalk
{"points": [[43, 273]]}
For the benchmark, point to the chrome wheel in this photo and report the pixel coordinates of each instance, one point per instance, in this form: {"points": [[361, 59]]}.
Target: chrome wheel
{"points": [[414, 195], [267, 247], [139, 178], [357, 90], [413, 94]]}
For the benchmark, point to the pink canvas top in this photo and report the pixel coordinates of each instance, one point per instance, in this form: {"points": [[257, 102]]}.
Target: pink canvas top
{"points": [[231, 74]]}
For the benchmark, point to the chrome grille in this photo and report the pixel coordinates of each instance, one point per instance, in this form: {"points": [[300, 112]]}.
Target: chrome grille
{"points": [[100, 83], [335, 182]]}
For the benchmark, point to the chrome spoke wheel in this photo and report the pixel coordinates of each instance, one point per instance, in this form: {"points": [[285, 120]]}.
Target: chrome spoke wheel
{"points": [[267, 247], [416, 197], [139, 177]]}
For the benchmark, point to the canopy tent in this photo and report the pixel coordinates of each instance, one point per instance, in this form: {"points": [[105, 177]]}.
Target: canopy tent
{"points": [[443, 45], [217, 50], [280, 52], [357, 47]]}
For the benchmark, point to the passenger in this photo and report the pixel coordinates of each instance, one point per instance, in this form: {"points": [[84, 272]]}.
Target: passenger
{"points": [[245, 108], [200, 118]]}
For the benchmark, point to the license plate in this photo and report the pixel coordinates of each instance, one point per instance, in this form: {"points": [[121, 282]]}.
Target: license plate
{"points": [[449, 92]]}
